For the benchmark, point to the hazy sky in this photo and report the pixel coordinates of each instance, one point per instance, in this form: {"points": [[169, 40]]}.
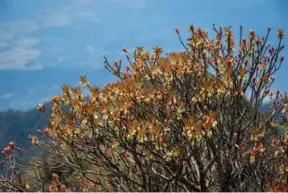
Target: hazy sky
{"points": [[45, 43]]}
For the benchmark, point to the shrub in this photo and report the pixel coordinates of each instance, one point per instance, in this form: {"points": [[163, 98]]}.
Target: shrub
{"points": [[186, 121]]}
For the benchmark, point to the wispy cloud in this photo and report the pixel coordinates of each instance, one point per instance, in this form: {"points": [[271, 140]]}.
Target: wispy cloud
{"points": [[14, 35], [54, 87], [24, 51], [44, 99], [20, 51], [23, 42], [66, 15], [56, 19], [18, 57], [61, 59], [6, 96]]}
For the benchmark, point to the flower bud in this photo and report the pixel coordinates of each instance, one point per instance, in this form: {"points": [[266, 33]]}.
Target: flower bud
{"points": [[266, 58], [281, 33], [271, 49], [258, 41], [55, 99], [282, 58], [191, 28], [252, 33], [40, 107], [55, 176], [124, 50], [177, 30], [46, 132], [229, 63], [5, 151], [12, 144]]}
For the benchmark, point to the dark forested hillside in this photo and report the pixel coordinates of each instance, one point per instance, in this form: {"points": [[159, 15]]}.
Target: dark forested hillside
{"points": [[17, 125]]}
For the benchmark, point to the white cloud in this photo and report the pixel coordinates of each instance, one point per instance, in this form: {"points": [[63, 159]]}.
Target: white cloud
{"points": [[19, 53], [95, 53], [104, 53], [56, 19], [17, 58], [69, 14], [24, 42], [44, 99], [6, 96], [13, 34], [55, 50], [61, 59], [86, 16], [28, 104], [54, 87], [10, 29]]}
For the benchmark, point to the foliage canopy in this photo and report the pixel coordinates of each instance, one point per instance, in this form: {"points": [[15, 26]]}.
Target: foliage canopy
{"points": [[184, 121]]}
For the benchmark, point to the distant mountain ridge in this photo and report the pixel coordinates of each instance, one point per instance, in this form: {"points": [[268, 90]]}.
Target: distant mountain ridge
{"points": [[17, 125]]}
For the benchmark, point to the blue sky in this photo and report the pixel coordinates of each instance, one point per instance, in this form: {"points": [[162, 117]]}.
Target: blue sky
{"points": [[45, 43]]}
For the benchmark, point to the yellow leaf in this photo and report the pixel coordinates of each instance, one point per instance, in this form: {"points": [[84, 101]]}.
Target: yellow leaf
{"points": [[274, 125], [255, 131]]}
